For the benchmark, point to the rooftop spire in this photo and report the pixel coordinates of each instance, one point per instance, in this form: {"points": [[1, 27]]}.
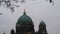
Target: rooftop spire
{"points": [[24, 12]]}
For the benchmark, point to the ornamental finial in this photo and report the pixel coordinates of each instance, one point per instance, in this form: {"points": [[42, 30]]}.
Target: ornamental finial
{"points": [[24, 12]]}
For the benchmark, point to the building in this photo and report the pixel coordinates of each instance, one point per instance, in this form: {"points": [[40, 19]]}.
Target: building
{"points": [[25, 25], [42, 28]]}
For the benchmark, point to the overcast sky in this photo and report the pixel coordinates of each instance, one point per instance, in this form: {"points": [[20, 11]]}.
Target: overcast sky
{"points": [[38, 10]]}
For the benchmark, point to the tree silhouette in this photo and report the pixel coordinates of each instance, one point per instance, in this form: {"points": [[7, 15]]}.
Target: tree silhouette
{"points": [[51, 1], [11, 6]]}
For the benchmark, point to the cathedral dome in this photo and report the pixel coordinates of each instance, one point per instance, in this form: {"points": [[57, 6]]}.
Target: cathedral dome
{"points": [[24, 23], [24, 19]]}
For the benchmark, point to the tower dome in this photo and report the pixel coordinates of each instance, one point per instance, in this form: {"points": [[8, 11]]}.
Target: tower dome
{"points": [[24, 23], [42, 28], [42, 23]]}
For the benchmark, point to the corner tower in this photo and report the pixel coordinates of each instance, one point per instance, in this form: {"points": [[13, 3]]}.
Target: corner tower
{"points": [[24, 25], [42, 28]]}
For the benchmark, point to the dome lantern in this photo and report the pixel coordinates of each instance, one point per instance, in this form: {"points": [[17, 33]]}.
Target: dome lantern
{"points": [[24, 12]]}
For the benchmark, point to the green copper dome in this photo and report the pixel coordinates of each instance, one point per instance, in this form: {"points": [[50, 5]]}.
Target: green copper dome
{"points": [[24, 23], [24, 19], [42, 23]]}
